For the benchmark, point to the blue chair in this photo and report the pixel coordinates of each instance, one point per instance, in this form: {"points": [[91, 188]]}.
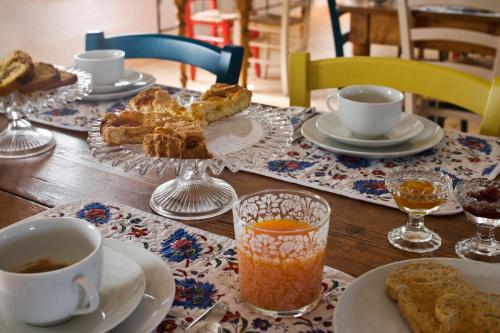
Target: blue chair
{"points": [[338, 38], [225, 62]]}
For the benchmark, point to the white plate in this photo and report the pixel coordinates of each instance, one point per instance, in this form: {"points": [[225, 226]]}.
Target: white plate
{"points": [[431, 135], [129, 78], [364, 306], [122, 288], [146, 82], [160, 288], [408, 127]]}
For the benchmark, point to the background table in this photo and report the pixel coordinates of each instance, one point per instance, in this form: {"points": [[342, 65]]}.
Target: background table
{"points": [[357, 240], [378, 24]]}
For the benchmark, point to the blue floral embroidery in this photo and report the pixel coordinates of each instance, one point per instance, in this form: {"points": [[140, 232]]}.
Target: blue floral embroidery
{"points": [[489, 169], [288, 166], [428, 152], [60, 112], [191, 294], [180, 246], [262, 324], [370, 186], [475, 144], [230, 252], [95, 212], [116, 106], [454, 179], [353, 162]]}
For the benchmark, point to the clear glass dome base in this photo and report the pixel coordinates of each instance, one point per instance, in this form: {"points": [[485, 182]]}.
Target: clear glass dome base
{"points": [[20, 139], [193, 195], [422, 240], [475, 250]]}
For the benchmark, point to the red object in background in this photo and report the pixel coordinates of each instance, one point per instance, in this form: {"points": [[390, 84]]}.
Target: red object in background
{"points": [[223, 26]]}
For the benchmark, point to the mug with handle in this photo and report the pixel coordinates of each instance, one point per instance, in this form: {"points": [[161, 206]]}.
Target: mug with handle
{"points": [[50, 297]]}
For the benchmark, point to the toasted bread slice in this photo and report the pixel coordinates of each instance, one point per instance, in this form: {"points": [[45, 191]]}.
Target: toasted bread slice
{"points": [[475, 311], [67, 78], [424, 272], [417, 301], [16, 70], [46, 77]]}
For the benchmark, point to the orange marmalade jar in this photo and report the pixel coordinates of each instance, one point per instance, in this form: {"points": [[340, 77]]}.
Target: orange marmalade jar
{"points": [[281, 259]]}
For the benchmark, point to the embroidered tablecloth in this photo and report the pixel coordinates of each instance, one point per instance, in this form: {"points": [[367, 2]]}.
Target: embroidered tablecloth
{"points": [[459, 155], [205, 269]]}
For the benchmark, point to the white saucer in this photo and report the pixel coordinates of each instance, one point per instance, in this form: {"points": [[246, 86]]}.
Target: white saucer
{"points": [[428, 138], [122, 288], [160, 288], [129, 78], [364, 306], [146, 82], [407, 128]]}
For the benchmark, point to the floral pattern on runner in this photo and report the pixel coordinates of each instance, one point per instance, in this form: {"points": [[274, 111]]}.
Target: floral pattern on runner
{"points": [[458, 155], [205, 269]]}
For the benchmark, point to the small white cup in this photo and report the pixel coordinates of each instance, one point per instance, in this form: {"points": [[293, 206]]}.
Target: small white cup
{"points": [[106, 66], [367, 111], [48, 298]]}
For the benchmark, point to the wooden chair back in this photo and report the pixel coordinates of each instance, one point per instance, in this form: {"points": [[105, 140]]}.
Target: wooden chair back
{"points": [[224, 62], [446, 84], [410, 33]]}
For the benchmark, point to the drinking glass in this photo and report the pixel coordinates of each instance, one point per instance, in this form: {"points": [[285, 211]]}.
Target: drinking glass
{"points": [[417, 192], [281, 239], [480, 199]]}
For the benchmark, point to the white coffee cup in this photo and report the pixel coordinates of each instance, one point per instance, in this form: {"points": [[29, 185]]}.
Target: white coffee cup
{"points": [[106, 66], [50, 297], [367, 111]]}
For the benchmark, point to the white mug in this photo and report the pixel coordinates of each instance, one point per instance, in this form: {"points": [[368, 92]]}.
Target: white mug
{"points": [[50, 297], [367, 111], [106, 66]]}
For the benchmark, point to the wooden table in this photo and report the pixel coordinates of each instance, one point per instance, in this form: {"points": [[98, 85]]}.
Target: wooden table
{"points": [[357, 240], [378, 24]]}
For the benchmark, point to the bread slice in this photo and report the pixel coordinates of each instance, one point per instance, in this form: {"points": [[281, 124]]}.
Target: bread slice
{"points": [[424, 272], [67, 78], [16, 70], [476, 311], [46, 77], [417, 301]]}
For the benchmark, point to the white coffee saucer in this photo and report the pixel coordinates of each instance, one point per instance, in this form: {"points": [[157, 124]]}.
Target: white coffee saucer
{"points": [[160, 288], [122, 289], [129, 78], [408, 127], [147, 81], [428, 138]]}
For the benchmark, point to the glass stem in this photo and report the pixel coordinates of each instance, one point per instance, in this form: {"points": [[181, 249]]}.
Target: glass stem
{"points": [[415, 223], [485, 235], [191, 171]]}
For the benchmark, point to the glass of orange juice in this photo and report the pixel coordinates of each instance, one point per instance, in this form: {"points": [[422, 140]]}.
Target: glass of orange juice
{"points": [[281, 239]]}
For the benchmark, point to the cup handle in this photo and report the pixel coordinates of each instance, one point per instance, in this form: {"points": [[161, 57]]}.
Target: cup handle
{"points": [[91, 296], [328, 99]]}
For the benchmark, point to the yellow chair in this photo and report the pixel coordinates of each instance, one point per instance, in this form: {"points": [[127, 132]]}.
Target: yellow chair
{"points": [[470, 92]]}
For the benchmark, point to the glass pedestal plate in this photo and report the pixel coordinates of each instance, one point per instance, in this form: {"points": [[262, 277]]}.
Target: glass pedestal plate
{"points": [[246, 139], [20, 138]]}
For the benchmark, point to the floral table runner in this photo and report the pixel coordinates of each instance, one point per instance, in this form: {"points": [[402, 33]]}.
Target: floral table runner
{"points": [[459, 155], [205, 269]]}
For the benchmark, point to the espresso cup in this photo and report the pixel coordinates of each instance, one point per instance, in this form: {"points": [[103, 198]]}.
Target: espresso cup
{"points": [[106, 66], [368, 112], [46, 298]]}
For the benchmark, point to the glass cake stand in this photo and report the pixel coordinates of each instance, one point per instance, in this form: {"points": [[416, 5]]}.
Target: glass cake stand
{"points": [[246, 139], [20, 138]]}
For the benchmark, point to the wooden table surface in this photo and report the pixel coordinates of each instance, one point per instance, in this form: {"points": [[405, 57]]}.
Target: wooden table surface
{"points": [[373, 23], [357, 240]]}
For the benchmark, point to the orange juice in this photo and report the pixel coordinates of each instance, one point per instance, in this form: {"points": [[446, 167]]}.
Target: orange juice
{"points": [[280, 264]]}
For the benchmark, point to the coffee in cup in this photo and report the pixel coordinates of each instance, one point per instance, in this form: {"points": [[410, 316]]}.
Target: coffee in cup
{"points": [[50, 269], [105, 66], [368, 112]]}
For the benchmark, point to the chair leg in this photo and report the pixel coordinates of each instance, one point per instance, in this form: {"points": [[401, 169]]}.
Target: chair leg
{"points": [[267, 56], [226, 32], [256, 55]]}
